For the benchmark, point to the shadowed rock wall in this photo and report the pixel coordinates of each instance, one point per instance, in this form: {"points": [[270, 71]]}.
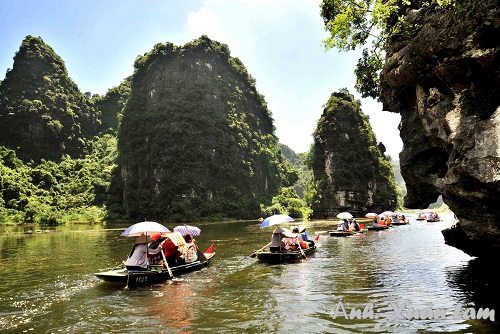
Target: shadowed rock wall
{"points": [[445, 83]]}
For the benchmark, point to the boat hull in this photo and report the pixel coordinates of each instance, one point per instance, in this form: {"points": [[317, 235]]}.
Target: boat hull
{"points": [[377, 228], [284, 256], [341, 233], [134, 278]]}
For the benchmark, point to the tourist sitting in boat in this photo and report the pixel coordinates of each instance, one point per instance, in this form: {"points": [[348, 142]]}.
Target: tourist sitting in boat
{"points": [[190, 253], [138, 258], [170, 251], [305, 237], [388, 221], [355, 225], [157, 257], [375, 222], [344, 226], [298, 238]]}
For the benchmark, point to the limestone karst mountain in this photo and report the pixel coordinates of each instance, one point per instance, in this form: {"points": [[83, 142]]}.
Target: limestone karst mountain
{"points": [[350, 171], [444, 81], [43, 114], [196, 136]]}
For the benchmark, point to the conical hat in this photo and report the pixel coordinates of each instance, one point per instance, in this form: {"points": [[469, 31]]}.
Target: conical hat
{"points": [[142, 239]]}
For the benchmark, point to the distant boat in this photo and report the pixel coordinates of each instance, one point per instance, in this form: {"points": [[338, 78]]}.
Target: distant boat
{"points": [[278, 252], [401, 222], [337, 233], [377, 228], [281, 255]]}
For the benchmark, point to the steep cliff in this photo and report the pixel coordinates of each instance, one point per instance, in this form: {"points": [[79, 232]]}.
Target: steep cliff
{"points": [[444, 80], [350, 171], [196, 138], [42, 112], [111, 105]]}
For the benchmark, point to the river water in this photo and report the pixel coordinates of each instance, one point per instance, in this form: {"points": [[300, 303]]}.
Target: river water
{"points": [[401, 280]]}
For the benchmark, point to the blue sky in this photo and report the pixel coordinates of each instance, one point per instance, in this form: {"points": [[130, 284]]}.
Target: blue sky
{"points": [[278, 41]]}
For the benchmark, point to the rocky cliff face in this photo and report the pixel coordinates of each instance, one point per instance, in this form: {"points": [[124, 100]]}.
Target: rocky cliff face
{"points": [[351, 174], [196, 139], [445, 83], [43, 114]]}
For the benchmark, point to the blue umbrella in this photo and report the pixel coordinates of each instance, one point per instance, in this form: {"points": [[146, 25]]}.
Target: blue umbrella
{"points": [[275, 219]]}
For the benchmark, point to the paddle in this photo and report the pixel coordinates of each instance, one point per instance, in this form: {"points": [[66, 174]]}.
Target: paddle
{"points": [[254, 254], [301, 250]]}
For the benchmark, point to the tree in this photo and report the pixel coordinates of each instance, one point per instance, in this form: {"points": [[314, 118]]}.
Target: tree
{"points": [[354, 23]]}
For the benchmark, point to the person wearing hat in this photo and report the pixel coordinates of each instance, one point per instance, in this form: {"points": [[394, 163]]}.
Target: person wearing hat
{"points": [[155, 257], [137, 259], [305, 237]]}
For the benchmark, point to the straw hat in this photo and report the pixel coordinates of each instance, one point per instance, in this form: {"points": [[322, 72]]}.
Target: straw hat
{"points": [[302, 228], [142, 239]]}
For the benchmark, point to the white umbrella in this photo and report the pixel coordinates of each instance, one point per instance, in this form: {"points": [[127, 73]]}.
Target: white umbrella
{"points": [[275, 220], [371, 215], [344, 215], [147, 227], [388, 213], [193, 230]]}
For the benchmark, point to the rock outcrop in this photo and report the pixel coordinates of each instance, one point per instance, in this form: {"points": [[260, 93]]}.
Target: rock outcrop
{"points": [[196, 138], [445, 82], [350, 171], [43, 114]]}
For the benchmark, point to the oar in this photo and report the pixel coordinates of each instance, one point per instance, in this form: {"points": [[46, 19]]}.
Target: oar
{"points": [[254, 254], [301, 250]]}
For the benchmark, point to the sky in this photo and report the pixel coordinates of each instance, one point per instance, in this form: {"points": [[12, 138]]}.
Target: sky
{"points": [[278, 41]]}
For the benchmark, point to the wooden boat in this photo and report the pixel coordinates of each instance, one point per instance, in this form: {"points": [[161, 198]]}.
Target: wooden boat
{"points": [[341, 233], [421, 216], [284, 247], [156, 274], [337, 233], [282, 255], [378, 228], [401, 223], [433, 220]]}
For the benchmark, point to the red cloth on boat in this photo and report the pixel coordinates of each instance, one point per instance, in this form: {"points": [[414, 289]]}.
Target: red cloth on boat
{"points": [[169, 248]]}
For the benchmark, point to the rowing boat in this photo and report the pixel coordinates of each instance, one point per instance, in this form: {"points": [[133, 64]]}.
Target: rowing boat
{"points": [[277, 255], [155, 274]]}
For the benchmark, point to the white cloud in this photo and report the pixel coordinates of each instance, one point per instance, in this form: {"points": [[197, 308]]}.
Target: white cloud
{"points": [[205, 22]]}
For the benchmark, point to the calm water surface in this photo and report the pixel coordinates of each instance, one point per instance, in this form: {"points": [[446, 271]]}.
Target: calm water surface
{"points": [[48, 284]]}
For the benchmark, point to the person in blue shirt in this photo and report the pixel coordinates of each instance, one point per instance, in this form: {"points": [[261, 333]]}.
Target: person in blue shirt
{"points": [[305, 237]]}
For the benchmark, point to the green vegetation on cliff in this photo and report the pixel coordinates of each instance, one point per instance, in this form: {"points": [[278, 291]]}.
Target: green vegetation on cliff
{"points": [[186, 137], [350, 172], [43, 115], [49, 192], [355, 23], [196, 138]]}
